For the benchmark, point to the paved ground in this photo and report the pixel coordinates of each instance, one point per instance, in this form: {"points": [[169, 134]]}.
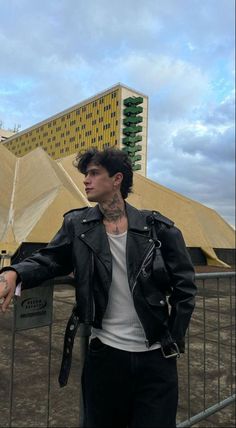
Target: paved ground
{"points": [[30, 387]]}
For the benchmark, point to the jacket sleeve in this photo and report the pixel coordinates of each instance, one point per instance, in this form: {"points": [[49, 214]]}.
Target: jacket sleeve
{"points": [[182, 275], [53, 260]]}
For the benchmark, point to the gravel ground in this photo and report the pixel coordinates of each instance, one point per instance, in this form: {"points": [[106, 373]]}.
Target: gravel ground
{"points": [[31, 371]]}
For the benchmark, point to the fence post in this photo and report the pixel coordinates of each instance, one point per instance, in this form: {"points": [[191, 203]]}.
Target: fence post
{"points": [[33, 309]]}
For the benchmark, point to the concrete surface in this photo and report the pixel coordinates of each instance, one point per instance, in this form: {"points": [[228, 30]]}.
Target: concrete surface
{"points": [[30, 386]]}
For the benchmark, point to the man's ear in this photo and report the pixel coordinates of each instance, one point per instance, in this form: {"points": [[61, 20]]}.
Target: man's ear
{"points": [[118, 179]]}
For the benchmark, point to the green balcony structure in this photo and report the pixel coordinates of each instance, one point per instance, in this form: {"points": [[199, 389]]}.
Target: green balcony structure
{"points": [[132, 118]]}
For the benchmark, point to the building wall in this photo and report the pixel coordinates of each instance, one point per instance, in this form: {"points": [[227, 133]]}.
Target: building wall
{"points": [[95, 122]]}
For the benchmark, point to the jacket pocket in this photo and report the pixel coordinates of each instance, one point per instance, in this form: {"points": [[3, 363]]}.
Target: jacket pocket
{"points": [[156, 299], [158, 306]]}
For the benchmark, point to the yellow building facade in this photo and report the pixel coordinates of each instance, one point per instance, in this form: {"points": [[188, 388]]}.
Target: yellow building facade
{"points": [[116, 117]]}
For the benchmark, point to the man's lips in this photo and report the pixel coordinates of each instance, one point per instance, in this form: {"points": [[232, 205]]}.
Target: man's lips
{"points": [[88, 189]]}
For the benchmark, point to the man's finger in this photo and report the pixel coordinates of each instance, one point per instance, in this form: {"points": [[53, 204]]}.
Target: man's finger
{"points": [[7, 302]]}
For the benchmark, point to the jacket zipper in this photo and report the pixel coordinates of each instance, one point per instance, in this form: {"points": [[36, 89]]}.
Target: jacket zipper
{"points": [[136, 278], [142, 266]]}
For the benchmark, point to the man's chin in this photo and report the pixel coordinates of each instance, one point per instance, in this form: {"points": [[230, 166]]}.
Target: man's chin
{"points": [[91, 198]]}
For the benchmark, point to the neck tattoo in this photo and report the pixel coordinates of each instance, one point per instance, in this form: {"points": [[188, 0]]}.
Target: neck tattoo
{"points": [[113, 212]]}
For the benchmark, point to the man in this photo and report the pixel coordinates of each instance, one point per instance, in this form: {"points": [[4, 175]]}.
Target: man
{"points": [[124, 292]]}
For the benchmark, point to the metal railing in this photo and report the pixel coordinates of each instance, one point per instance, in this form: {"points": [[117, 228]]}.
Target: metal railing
{"points": [[208, 379], [206, 371]]}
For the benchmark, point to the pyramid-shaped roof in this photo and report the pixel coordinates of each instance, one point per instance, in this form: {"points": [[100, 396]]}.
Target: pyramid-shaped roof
{"points": [[36, 191]]}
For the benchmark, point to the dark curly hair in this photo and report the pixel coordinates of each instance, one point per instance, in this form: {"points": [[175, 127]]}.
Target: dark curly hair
{"points": [[113, 160]]}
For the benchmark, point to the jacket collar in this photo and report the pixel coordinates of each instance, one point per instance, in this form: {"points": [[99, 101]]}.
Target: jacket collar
{"points": [[136, 218], [92, 214]]}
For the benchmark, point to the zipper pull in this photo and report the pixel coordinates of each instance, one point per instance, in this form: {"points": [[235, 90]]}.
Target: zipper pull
{"points": [[144, 272]]}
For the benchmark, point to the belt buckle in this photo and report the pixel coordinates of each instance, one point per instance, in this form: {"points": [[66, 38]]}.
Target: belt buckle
{"points": [[170, 351]]}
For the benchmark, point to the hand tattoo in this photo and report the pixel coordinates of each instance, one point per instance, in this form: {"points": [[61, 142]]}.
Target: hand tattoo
{"points": [[4, 281]]}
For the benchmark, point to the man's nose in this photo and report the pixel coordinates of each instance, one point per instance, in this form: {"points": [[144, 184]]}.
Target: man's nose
{"points": [[86, 179]]}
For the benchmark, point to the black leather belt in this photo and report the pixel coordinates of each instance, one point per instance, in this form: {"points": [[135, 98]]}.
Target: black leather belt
{"points": [[71, 330]]}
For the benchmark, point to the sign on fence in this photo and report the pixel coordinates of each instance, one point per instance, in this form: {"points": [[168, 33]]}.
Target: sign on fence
{"points": [[34, 307]]}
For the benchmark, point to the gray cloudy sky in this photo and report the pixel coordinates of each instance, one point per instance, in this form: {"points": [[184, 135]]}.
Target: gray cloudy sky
{"points": [[55, 53]]}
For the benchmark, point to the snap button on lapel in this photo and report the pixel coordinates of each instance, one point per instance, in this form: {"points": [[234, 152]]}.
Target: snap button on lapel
{"points": [[145, 227], [162, 302], [84, 220], [82, 236]]}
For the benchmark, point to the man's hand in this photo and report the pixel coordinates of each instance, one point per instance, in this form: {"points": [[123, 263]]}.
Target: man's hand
{"points": [[7, 288]]}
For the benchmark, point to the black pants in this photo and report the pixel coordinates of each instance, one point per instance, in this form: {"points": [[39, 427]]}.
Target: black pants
{"points": [[129, 389]]}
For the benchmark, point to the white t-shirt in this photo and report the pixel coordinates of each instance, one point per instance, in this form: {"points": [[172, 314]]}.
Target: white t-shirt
{"points": [[121, 327]]}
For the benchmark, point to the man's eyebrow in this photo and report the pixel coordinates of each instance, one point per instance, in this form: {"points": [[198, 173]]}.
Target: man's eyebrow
{"points": [[93, 168]]}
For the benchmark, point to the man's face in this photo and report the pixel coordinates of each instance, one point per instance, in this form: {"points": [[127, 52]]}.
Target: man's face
{"points": [[99, 187]]}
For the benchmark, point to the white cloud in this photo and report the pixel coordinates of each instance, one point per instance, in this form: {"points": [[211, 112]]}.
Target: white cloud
{"points": [[197, 159], [179, 52]]}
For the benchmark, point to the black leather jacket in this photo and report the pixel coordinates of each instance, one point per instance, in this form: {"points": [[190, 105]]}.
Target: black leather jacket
{"points": [[81, 246]]}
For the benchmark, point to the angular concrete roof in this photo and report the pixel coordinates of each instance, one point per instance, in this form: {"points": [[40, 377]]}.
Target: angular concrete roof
{"points": [[36, 191]]}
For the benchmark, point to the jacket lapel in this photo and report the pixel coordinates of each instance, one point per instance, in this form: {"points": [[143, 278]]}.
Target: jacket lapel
{"points": [[138, 240], [91, 231]]}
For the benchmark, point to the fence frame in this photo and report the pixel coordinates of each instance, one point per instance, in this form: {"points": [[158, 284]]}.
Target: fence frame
{"points": [[230, 399], [84, 339]]}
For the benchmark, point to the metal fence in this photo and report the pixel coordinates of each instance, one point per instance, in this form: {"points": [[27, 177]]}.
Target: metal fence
{"points": [[31, 342], [207, 377]]}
